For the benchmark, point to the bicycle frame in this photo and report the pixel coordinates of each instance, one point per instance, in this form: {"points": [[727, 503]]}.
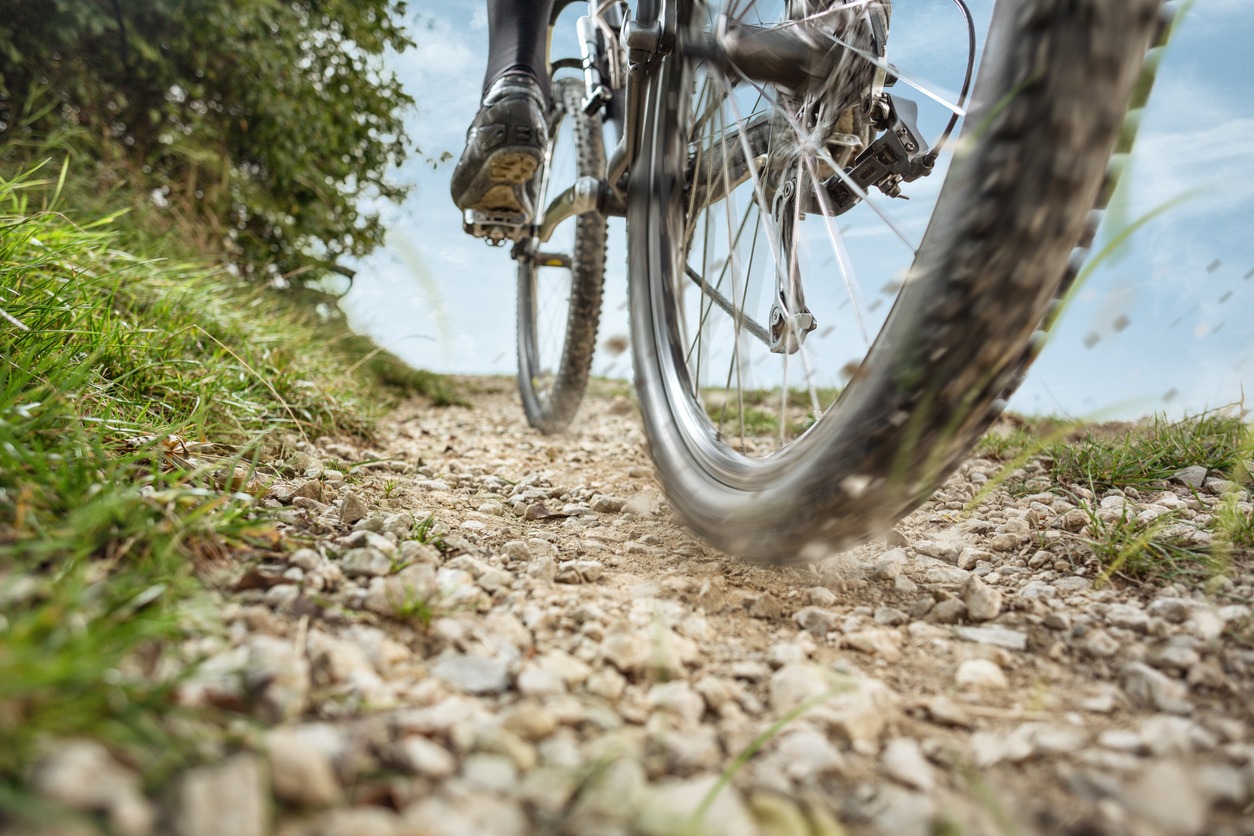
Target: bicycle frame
{"points": [[602, 62], [618, 51]]}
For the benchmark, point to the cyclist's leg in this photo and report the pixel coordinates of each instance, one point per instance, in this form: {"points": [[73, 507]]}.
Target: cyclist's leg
{"points": [[506, 140], [517, 35]]}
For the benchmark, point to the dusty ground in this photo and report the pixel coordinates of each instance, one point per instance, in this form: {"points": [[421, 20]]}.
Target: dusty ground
{"points": [[560, 656]]}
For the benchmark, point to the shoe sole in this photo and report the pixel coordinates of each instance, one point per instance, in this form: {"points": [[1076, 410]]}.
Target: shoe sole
{"points": [[495, 190]]}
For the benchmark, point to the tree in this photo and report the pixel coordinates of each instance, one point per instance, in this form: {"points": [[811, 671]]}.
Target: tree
{"points": [[273, 119]]}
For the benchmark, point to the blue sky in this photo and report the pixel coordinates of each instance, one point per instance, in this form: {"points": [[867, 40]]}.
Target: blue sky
{"points": [[1166, 325]]}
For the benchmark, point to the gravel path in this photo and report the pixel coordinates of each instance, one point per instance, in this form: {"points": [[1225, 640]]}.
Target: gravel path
{"points": [[560, 656]]}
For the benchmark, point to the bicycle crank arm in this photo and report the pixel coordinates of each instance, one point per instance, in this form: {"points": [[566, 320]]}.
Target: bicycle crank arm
{"points": [[588, 194]]}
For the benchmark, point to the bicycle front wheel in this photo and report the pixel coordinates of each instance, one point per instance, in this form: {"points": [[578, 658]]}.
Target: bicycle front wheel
{"points": [[790, 411], [560, 281]]}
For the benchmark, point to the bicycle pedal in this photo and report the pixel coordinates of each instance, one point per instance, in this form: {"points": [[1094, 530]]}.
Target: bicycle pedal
{"points": [[496, 227]]}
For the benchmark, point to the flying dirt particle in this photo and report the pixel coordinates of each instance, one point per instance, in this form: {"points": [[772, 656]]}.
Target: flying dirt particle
{"points": [[1225, 297], [1120, 323], [891, 288], [855, 485], [1213, 266], [1248, 275], [1217, 328], [1170, 395], [849, 371], [1177, 321], [615, 345], [874, 305], [1092, 339]]}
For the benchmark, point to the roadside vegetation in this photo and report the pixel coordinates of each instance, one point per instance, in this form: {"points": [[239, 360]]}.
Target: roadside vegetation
{"points": [[135, 395], [172, 219], [1087, 463]]}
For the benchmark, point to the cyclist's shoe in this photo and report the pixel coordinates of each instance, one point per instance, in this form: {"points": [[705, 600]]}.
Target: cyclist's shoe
{"points": [[493, 182]]}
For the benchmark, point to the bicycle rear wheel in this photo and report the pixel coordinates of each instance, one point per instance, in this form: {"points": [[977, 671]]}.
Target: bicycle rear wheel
{"points": [[786, 414], [560, 282]]}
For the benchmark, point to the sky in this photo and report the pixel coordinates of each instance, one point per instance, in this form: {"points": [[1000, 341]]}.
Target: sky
{"points": [[1164, 325]]}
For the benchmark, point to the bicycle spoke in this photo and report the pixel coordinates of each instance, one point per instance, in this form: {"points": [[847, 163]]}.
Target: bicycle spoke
{"points": [[825, 157], [749, 144]]}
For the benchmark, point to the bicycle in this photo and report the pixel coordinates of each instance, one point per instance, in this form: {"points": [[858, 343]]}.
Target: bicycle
{"points": [[742, 134]]}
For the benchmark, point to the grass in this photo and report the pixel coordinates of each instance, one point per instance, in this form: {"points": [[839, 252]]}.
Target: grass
{"points": [[761, 409], [1147, 455], [112, 368], [415, 610], [1161, 550], [1018, 438], [1154, 551], [1006, 445], [428, 532], [1155, 452]]}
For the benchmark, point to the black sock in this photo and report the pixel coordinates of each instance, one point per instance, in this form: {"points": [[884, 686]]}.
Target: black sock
{"points": [[517, 36]]}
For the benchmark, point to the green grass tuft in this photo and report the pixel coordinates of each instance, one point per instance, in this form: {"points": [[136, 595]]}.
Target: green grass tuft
{"points": [[1155, 452], [1159, 550]]}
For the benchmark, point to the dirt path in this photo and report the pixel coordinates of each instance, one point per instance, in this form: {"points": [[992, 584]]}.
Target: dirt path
{"points": [[562, 657]]}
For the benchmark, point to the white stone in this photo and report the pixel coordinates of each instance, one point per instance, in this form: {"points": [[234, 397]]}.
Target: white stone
{"points": [[679, 700], [820, 596], [816, 620], [352, 508], [83, 776], [226, 799], [981, 675], [904, 762], [300, 770], [900, 812], [496, 773], [278, 674], [996, 636], [1098, 643], [1166, 797], [344, 663], [890, 564], [366, 561], [1194, 476], [534, 681], [940, 549], [612, 794], [1127, 617], [1152, 689], [1121, 740], [669, 807], [607, 683], [807, 754], [1173, 609], [983, 602], [473, 674], [970, 557], [883, 643], [457, 812]]}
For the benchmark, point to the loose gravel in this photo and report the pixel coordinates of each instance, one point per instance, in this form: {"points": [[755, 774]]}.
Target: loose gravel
{"points": [[487, 631]]}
